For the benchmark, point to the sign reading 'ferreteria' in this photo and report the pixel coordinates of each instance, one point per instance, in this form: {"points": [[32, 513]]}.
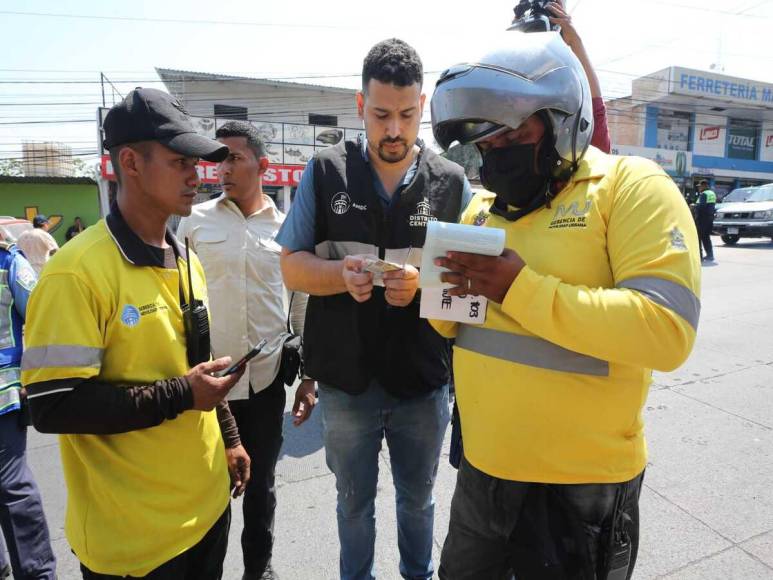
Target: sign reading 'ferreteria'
{"points": [[696, 83]]}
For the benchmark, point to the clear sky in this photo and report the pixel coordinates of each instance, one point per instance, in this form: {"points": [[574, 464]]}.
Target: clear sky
{"points": [[62, 46]]}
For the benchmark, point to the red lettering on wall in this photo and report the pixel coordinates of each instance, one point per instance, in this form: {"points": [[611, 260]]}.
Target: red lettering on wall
{"points": [[709, 133], [275, 175]]}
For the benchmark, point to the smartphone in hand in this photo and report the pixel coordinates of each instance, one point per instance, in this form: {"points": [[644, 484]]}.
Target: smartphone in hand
{"points": [[245, 359]]}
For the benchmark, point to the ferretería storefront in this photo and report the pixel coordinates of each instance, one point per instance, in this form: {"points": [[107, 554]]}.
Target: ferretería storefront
{"points": [[698, 125]]}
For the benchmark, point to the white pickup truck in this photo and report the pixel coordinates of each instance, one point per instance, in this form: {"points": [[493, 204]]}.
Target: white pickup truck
{"points": [[745, 213]]}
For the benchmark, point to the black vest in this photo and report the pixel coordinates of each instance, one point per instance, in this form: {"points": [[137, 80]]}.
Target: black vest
{"points": [[347, 344]]}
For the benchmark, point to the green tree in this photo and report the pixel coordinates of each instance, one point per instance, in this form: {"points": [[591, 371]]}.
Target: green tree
{"points": [[12, 167]]}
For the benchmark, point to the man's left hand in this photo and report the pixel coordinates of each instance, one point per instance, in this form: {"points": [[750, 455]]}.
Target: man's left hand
{"points": [[401, 285], [238, 468], [305, 399], [489, 276]]}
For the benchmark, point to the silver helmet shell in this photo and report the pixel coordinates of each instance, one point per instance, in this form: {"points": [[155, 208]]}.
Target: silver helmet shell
{"points": [[523, 75]]}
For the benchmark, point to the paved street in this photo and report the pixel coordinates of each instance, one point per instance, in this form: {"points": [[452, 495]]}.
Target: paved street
{"points": [[707, 506]]}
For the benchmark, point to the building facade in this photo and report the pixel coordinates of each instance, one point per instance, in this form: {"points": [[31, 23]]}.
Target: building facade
{"points": [[294, 119], [698, 125]]}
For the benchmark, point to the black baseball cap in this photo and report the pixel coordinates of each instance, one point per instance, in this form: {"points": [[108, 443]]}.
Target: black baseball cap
{"points": [[153, 115]]}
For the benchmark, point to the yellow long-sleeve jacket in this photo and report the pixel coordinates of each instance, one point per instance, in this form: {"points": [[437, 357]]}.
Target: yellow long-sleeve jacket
{"points": [[551, 387]]}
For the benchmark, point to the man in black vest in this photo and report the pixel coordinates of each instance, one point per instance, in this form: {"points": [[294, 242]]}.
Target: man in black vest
{"points": [[382, 370]]}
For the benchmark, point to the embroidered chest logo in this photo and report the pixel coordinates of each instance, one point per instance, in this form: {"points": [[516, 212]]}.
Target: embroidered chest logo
{"points": [[677, 239], [572, 216], [423, 214], [130, 316], [340, 203], [480, 218]]}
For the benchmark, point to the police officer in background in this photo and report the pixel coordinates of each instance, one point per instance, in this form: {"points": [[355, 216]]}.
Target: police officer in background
{"points": [[597, 285], [704, 216], [21, 514]]}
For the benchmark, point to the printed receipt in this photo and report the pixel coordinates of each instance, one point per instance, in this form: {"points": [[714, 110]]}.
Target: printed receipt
{"points": [[444, 237]]}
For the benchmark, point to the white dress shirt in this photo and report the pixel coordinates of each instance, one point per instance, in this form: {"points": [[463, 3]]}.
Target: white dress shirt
{"points": [[247, 298]]}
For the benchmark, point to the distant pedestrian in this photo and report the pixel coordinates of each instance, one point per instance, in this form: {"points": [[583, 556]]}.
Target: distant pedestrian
{"points": [[704, 214], [76, 228], [21, 510], [37, 244]]}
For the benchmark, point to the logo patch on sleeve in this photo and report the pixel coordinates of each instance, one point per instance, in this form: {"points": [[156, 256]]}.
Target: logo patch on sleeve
{"points": [[677, 239]]}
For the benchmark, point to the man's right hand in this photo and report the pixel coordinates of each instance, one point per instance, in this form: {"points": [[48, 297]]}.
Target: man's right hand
{"points": [[209, 390], [358, 283]]}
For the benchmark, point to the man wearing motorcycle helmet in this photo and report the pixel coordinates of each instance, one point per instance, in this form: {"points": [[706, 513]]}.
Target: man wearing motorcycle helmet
{"points": [[598, 285]]}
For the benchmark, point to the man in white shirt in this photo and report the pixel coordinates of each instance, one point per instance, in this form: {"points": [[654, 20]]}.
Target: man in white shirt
{"points": [[233, 236], [37, 244]]}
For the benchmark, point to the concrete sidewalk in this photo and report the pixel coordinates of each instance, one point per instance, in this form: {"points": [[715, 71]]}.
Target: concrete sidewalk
{"points": [[707, 506]]}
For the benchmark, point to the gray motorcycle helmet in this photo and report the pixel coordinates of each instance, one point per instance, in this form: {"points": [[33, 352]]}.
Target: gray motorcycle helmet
{"points": [[525, 74]]}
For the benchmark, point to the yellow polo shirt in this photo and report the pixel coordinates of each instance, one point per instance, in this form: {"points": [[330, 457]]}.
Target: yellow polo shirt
{"points": [[551, 387], [136, 499]]}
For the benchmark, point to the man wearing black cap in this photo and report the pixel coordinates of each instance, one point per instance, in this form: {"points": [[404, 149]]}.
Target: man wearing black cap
{"points": [[124, 375]]}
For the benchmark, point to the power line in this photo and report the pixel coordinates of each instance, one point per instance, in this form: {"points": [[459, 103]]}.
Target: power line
{"points": [[184, 21]]}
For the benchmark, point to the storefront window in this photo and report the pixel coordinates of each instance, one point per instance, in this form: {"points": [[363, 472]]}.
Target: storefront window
{"points": [[674, 130]]}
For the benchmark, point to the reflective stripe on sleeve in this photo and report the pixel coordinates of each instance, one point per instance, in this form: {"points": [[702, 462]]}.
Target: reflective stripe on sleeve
{"points": [[528, 350], [61, 355], [671, 295]]}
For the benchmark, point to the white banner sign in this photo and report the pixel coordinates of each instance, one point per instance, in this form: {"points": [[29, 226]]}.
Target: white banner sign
{"points": [[766, 144], [710, 135], [678, 163]]}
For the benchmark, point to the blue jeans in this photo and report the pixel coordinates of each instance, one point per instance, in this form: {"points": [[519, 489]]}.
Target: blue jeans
{"points": [[354, 426]]}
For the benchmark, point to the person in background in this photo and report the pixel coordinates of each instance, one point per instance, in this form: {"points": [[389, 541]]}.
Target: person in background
{"points": [[600, 137], [37, 244], [704, 217], [76, 228], [23, 522], [233, 236]]}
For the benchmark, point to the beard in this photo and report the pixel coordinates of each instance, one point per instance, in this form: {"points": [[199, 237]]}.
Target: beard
{"points": [[393, 156]]}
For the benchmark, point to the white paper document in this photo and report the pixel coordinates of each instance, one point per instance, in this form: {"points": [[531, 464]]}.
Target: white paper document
{"points": [[438, 304], [444, 237]]}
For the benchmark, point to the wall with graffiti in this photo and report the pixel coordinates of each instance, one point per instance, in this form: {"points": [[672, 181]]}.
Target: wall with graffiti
{"points": [[61, 203]]}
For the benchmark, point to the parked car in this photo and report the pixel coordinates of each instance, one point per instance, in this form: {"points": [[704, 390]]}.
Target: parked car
{"points": [[11, 228], [746, 212]]}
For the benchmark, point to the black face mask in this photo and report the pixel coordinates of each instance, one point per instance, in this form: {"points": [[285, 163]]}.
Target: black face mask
{"points": [[509, 172]]}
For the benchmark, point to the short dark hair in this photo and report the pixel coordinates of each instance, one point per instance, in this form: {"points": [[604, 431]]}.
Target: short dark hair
{"points": [[392, 61], [246, 130], [141, 147]]}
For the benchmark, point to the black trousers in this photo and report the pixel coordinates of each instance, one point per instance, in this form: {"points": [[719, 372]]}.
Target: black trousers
{"points": [[260, 419], [204, 561], [705, 225], [21, 509], [536, 531]]}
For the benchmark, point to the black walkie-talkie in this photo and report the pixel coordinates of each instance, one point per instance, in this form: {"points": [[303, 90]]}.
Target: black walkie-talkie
{"points": [[196, 321]]}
